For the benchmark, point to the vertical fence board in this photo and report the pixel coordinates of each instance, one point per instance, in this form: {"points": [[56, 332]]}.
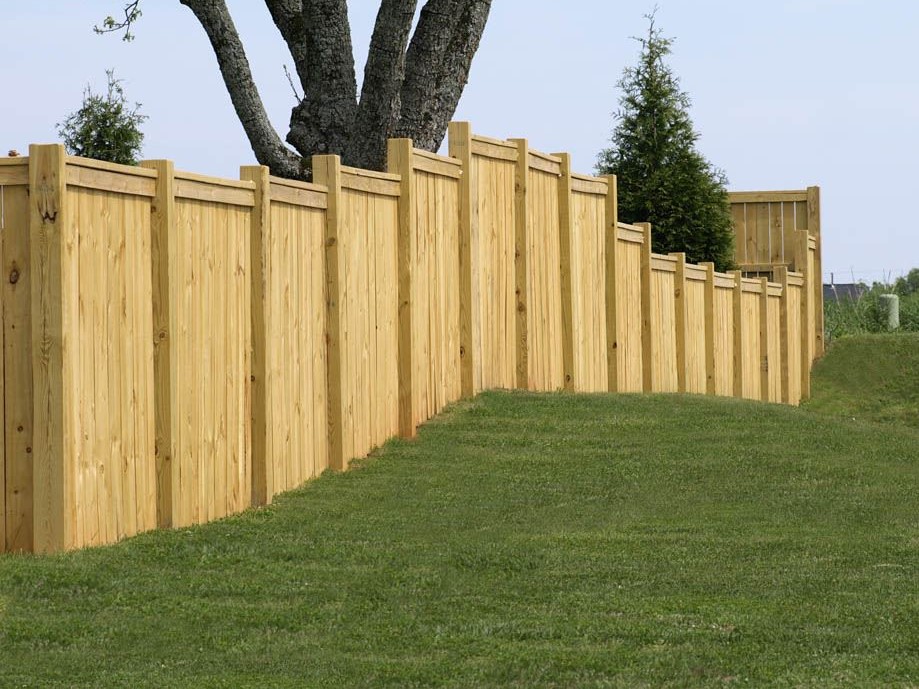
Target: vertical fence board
{"points": [[17, 454]]}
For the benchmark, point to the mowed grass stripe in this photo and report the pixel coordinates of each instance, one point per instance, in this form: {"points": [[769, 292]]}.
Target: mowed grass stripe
{"points": [[522, 540]]}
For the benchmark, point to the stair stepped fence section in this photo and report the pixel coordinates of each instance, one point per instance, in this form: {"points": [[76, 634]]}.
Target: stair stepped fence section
{"points": [[178, 347], [782, 228]]}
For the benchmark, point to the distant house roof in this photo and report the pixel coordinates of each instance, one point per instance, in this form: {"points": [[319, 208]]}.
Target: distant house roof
{"points": [[847, 290]]}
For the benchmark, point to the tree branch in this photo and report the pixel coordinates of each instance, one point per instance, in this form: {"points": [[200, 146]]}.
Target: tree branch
{"points": [[437, 67], [378, 110], [237, 76], [288, 17], [322, 122]]}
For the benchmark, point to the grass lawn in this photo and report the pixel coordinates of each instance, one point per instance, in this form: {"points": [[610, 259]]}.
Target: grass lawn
{"points": [[523, 540], [869, 377]]}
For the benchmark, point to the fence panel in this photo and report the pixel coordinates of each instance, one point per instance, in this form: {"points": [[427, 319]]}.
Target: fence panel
{"points": [[694, 343], [91, 346], [362, 241], [429, 282], [663, 352], [488, 330], [795, 286], [723, 344], [749, 338], [16, 338], [773, 391], [539, 271], [588, 283], [628, 311], [289, 410], [202, 311], [493, 174]]}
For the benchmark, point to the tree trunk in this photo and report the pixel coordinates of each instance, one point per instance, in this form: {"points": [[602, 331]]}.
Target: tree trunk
{"points": [[410, 89]]}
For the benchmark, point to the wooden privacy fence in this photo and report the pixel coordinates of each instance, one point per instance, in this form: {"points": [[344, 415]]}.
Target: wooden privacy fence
{"points": [[177, 347]]}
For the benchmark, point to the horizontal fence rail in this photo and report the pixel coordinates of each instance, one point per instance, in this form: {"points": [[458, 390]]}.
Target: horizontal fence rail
{"points": [[178, 347]]}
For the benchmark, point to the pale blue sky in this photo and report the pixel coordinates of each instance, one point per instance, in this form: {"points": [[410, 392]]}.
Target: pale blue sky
{"points": [[785, 93]]}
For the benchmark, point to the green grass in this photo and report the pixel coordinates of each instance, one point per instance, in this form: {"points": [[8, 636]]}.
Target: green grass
{"points": [[869, 377], [522, 540]]}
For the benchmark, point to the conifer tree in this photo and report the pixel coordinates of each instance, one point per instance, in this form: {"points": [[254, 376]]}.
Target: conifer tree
{"points": [[662, 178], [105, 127]]}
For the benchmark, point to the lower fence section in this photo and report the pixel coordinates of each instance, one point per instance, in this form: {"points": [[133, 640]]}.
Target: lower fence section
{"points": [[176, 348]]}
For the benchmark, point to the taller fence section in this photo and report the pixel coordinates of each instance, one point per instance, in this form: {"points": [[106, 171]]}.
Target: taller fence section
{"points": [[178, 347], [202, 313], [78, 359], [488, 329], [773, 229], [429, 282], [540, 355], [362, 277], [289, 383]]}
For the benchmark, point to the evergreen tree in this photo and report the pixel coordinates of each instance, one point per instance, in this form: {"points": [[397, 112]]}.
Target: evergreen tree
{"points": [[105, 127], [662, 179]]}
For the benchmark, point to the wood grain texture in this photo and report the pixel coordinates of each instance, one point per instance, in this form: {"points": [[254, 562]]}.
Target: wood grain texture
{"points": [[18, 412]]}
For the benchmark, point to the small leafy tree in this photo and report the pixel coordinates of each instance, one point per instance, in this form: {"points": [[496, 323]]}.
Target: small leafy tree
{"points": [[662, 178], [106, 127]]}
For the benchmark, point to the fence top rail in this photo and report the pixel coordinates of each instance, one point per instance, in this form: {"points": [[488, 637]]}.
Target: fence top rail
{"points": [[630, 233], [767, 196], [775, 289], [425, 161], [370, 182], [796, 280], [14, 175], [111, 167], [544, 156], [751, 286], [214, 181], [15, 160], [297, 184], [725, 281], [662, 263], [586, 184], [478, 138], [296, 193], [369, 174], [691, 271], [497, 149], [811, 241]]}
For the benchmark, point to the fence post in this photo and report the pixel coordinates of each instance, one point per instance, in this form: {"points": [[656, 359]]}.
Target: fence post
{"points": [[54, 296], [521, 262], [164, 248], [679, 297], [460, 147], [738, 333], [709, 327], [400, 161], [327, 171], [262, 465], [781, 276], [646, 344], [807, 296], [764, 340], [813, 227], [565, 222], [612, 313]]}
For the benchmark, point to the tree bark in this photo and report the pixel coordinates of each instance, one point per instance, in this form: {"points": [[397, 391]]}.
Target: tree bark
{"points": [[322, 121], [379, 108], [237, 76], [437, 67], [410, 88]]}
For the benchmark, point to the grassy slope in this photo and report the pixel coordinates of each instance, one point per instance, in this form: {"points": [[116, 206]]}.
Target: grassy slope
{"points": [[870, 377], [523, 540]]}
